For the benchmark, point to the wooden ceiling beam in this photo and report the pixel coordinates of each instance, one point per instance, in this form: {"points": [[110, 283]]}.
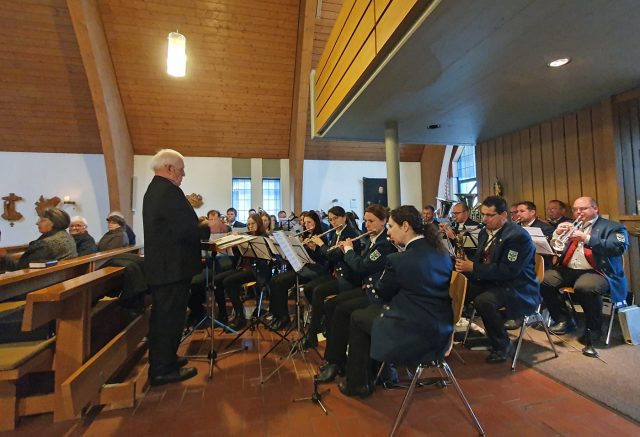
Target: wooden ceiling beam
{"points": [[114, 131]]}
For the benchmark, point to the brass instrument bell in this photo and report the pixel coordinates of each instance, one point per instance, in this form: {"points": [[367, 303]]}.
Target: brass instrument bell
{"points": [[445, 207]]}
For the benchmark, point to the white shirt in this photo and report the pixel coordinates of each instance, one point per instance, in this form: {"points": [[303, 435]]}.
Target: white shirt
{"points": [[578, 261], [373, 241]]}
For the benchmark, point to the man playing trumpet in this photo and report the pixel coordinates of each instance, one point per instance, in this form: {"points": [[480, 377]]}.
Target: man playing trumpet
{"points": [[461, 222], [591, 263]]}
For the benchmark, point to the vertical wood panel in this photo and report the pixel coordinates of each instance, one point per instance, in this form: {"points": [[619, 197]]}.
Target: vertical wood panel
{"points": [[627, 159], [548, 167], [507, 168], [536, 166], [585, 141], [516, 163], [635, 144], [491, 146], [486, 185], [500, 161], [599, 153], [573, 157], [525, 151], [560, 160]]}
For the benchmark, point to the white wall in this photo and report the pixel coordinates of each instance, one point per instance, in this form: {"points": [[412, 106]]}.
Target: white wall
{"points": [[29, 175], [342, 180]]}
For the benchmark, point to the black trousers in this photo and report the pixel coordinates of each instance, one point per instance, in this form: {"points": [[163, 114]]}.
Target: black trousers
{"points": [[279, 286], [165, 327], [339, 310], [360, 367], [232, 285], [199, 283], [316, 292], [487, 301], [589, 287]]}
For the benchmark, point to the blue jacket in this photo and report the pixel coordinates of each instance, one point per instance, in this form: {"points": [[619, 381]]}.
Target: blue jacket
{"points": [[347, 278], [371, 264], [512, 266], [416, 325], [608, 242]]}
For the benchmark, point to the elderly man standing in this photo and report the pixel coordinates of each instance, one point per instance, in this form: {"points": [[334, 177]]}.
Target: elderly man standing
{"points": [[85, 244], [172, 237]]}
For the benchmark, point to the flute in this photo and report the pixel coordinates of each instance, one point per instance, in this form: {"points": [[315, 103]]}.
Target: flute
{"points": [[374, 232], [321, 235], [300, 233], [400, 249]]}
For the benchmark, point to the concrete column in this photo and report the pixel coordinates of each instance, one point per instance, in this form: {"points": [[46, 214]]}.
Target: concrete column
{"points": [[256, 183], [393, 163]]}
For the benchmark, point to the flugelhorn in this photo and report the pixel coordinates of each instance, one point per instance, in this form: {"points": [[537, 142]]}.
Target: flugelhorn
{"points": [[374, 232], [560, 242]]}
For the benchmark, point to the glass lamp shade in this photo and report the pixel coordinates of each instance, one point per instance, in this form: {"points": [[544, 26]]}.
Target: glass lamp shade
{"points": [[176, 57]]}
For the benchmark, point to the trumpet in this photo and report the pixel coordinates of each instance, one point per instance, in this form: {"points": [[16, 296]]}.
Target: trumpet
{"points": [[337, 246], [400, 249], [323, 234], [560, 242]]}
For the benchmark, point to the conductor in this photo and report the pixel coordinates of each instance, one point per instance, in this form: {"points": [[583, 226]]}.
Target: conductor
{"points": [[172, 257]]}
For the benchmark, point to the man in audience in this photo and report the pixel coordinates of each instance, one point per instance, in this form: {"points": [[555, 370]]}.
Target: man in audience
{"points": [[591, 263], [556, 211], [85, 244], [429, 215], [172, 257], [131, 236], [232, 214]]}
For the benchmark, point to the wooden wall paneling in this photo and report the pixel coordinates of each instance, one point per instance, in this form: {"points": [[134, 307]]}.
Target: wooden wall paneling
{"points": [[537, 174], [390, 21], [587, 158], [525, 158], [516, 163], [114, 131], [599, 152], [548, 167], [507, 163], [301, 104], [560, 162], [627, 158], [491, 150], [634, 120], [430, 166], [381, 7], [345, 11], [573, 157], [485, 186], [499, 152]]}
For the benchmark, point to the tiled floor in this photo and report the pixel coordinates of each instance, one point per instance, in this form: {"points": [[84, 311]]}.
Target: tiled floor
{"points": [[235, 403]]}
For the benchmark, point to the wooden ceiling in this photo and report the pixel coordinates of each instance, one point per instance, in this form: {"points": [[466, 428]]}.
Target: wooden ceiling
{"points": [[235, 100]]}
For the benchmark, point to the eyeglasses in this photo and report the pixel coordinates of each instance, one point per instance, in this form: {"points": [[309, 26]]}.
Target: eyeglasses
{"points": [[333, 219], [583, 209], [76, 226], [489, 216], [458, 213]]}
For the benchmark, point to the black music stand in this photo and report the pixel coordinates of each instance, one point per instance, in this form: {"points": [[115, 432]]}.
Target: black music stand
{"points": [[213, 355]]}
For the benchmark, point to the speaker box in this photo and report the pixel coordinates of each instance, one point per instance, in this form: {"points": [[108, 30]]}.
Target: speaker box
{"points": [[630, 323]]}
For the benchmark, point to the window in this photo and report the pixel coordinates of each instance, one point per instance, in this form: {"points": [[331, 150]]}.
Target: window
{"points": [[271, 201], [241, 197], [467, 182]]}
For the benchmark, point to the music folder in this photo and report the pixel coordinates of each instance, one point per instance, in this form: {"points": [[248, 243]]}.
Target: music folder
{"points": [[539, 241]]}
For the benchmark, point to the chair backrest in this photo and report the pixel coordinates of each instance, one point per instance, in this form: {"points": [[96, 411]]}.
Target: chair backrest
{"points": [[540, 267], [457, 291]]}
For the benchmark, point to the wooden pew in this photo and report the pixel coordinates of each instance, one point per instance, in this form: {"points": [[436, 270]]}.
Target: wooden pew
{"points": [[80, 379]]}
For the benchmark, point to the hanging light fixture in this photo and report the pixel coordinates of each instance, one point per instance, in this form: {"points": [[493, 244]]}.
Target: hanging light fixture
{"points": [[176, 56]]}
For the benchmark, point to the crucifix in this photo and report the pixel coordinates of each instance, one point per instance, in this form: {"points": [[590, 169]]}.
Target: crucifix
{"points": [[10, 212]]}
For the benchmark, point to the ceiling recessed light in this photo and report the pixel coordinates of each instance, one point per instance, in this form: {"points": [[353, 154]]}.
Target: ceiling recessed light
{"points": [[559, 62], [433, 126]]}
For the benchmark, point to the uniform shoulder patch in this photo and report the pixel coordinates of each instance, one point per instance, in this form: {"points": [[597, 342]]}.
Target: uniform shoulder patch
{"points": [[512, 255], [620, 238], [374, 255]]}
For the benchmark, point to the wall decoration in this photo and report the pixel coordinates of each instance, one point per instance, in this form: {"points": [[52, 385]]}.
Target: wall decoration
{"points": [[375, 192], [10, 213], [195, 200], [497, 188], [43, 203]]}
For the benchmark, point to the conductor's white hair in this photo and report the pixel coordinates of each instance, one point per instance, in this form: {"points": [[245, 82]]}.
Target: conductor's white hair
{"points": [[77, 218], [166, 157]]}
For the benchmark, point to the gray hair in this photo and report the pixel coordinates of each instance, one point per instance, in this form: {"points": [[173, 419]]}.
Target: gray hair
{"points": [[166, 157], [77, 218], [116, 213]]}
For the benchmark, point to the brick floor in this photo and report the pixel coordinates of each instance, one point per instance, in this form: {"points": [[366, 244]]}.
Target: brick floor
{"points": [[235, 403]]}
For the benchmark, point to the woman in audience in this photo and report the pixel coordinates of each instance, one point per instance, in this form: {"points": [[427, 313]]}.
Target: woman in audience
{"points": [[85, 244], [117, 235], [130, 234], [54, 243]]}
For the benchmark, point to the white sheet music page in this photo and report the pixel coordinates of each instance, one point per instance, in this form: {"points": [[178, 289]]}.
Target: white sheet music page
{"points": [[288, 251], [539, 241]]}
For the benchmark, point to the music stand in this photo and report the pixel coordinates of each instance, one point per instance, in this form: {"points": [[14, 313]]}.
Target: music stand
{"points": [[290, 248], [213, 355]]}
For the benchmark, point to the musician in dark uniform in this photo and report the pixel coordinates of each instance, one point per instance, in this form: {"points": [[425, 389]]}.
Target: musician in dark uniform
{"points": [[418, 319], [501, 275], [462, 221], [591, 263], [556, 210], [232, 215], [528, 215], [429, 216], [172, 257], [341, 277], [338, 309]]}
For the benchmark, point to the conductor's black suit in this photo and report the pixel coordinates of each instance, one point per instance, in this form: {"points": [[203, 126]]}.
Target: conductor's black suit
{"points": [[172, 257]]}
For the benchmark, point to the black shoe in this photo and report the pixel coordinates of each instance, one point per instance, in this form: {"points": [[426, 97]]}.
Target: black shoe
{"points": [[355, 390], [563, 327], [330, 372], [182, 361], [238, 323], [280, 323], [309, 341], [500, 356], [511, 324], [596, 335], [323, 366], [177, 376]]}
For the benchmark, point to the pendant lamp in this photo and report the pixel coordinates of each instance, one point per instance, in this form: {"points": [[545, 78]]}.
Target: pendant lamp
{"points": [[176, 56]]}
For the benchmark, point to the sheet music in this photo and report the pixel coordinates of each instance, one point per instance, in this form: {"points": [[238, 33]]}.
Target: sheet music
{"points": [[287, 249], [215, 237], [256, 248], [275, 247], [471, 240], [539, 241], [229, 241]]}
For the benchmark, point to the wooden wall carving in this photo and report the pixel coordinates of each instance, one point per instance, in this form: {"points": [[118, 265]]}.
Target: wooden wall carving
{"points": [[43, 203], [195, 200], [10, 213]]}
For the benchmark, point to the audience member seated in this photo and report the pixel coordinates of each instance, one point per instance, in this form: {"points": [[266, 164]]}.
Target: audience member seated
{"points": [[116, 237], [85, 244], [54, 243], [130, 234]]}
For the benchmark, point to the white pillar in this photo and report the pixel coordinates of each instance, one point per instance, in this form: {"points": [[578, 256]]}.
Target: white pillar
{"points": [[256, 183]]}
